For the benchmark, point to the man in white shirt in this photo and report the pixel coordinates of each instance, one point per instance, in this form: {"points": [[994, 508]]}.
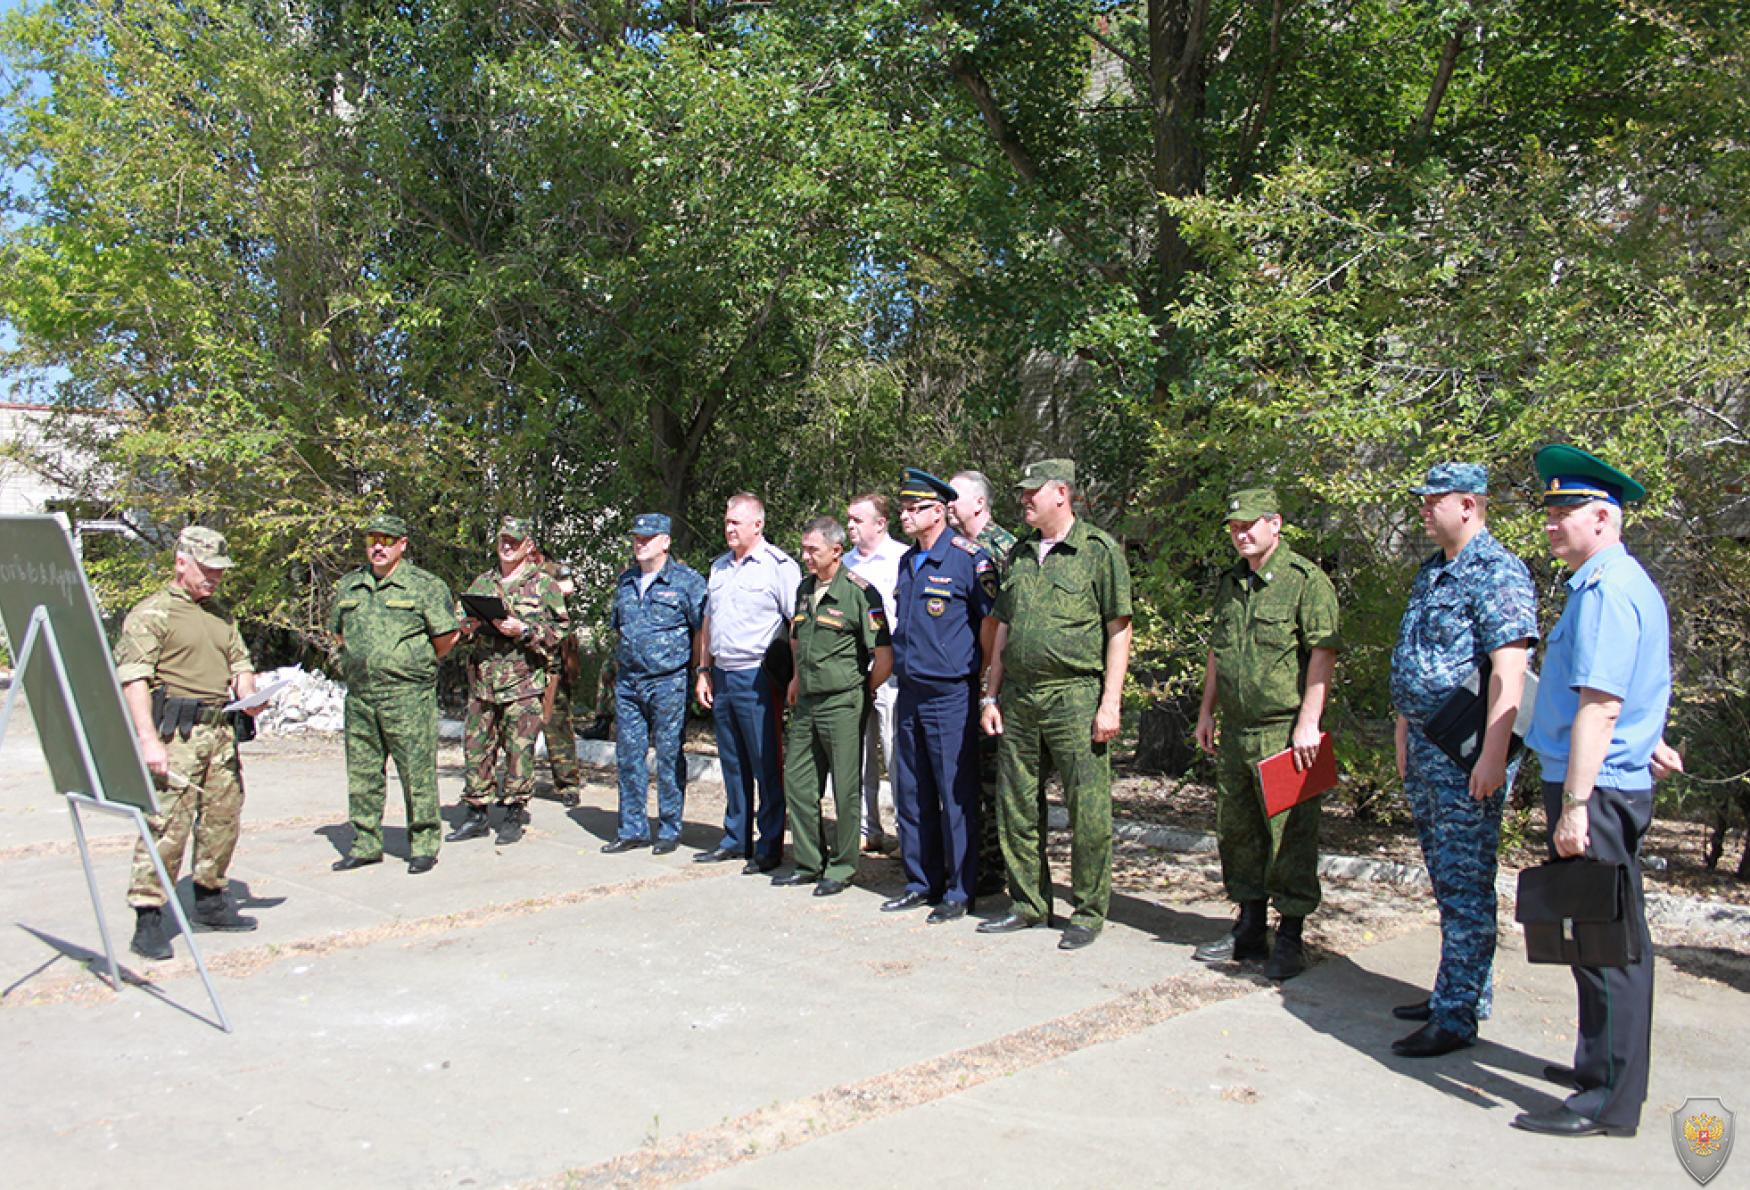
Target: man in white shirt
{"points": [[874, 557]]}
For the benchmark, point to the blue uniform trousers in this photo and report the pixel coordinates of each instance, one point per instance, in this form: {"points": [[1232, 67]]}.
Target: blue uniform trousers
{"points": [[651, 710], [745, 711], [1614, 1052], [1460, 837], [935, 788]]}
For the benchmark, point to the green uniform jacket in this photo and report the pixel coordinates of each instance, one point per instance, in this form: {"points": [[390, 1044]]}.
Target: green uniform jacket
{"points": [[835, 642], [386, 627], [504, 670], [1057, 610], [997, 542], [1266, 626]]}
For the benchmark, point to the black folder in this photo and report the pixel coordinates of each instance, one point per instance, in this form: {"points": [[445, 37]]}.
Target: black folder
{"points": [[1457, 727]]}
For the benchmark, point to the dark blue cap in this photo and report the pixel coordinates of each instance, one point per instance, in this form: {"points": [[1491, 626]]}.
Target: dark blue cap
{"points": [[1454, 477], [921, 485], [649, 524]]}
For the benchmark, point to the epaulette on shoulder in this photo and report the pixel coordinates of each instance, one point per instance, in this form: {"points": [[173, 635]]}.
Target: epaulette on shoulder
{"points": [[857, 579], [970, 546]]}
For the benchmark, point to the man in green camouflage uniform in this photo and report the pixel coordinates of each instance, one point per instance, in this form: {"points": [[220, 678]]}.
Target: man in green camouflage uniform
{"points": [[1269, 670], [179, 660], [970, 513], [843, 652], [394, 622], [1054, 694], [559, 730], [508, 672]]}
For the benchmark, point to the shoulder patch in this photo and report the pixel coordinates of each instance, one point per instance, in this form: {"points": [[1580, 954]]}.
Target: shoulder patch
{"points": [[857, 580], [971, 547]]}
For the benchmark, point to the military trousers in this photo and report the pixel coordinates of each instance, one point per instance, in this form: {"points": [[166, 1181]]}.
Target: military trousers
{"points": [[561, 736], [824, 737], [1263, 858], [935, 789], [1050, 726], [745, 710], [494, 727], [402, 724], [1613, 1055], [1460, 839], [652, 711], [202, 798]]}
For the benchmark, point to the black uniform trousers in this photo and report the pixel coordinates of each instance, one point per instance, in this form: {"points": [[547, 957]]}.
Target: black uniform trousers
{"points": [[1614, 1050]]}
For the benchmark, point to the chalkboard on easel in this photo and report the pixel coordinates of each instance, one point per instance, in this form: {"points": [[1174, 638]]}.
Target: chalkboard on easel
{"points": [[38, 569]]}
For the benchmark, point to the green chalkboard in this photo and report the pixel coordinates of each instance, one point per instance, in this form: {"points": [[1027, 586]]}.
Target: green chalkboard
{"points": [[39, 569]]}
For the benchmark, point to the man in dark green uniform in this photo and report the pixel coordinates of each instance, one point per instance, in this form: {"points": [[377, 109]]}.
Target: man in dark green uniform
{"points": [[1053, 694], [1269, 670], [393, 622], [970, 513], [843, 653]]}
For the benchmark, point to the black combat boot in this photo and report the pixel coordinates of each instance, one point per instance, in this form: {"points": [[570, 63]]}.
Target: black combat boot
{"points": [[1245, 941], [601, 729], [213, 911], [474, 826], [1288, 959], [511, 828], [149, 940]]}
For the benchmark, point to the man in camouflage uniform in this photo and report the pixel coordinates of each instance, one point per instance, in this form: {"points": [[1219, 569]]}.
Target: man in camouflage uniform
{"points": [[507, 679], [1053, 695], [393, 622], [659, 608], [1471, 599], [843, 653], [970, 513], [558, 729], [1269, 671], [179, 659]]}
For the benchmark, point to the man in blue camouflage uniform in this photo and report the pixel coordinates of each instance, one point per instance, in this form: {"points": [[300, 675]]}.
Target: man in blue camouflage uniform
{"points": [[1471, 599], [659, 604]]}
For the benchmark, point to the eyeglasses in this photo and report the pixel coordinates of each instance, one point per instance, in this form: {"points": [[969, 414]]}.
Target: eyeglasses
{"points": [[380, 539]]}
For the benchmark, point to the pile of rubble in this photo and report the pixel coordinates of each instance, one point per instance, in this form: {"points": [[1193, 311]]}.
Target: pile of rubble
{"points": [[311, 703]]}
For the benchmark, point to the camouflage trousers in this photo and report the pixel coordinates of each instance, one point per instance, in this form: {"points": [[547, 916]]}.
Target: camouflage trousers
{"points": [[403, 724], [491, 728], [652, 712], [561, 736], [824, 736], [204, 797], [1460, 837], [1050, 726], [1262, 857]]}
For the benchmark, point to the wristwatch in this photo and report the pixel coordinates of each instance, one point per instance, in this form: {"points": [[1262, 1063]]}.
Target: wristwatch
{"points": [[1570, 798], [989, 700]]}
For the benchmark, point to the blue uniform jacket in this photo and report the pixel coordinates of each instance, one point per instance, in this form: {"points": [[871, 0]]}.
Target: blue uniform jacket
{"points": [[938, 610], [657, 626]]}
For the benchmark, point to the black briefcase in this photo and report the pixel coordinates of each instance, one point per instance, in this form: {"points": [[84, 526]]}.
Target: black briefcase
{"points": [[1575, 912]]}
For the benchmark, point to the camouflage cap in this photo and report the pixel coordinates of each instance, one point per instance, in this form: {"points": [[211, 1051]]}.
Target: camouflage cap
{"points": [[1248, 504], [515, 527], [1472, 478], [204, 545], [651, 524], [386, 523], [1044, 471]]}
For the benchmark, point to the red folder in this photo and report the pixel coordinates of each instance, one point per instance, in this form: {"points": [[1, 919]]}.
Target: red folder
{"points": [[1284, 788]]}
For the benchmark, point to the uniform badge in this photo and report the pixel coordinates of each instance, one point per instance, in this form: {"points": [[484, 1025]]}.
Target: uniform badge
{"points": [[1701, 1132], [988, 580], [877, 617], [936, 606]]}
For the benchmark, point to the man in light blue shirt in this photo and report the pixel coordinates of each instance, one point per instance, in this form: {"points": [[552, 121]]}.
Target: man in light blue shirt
{"points": [[1597, 730], [751, 596]]}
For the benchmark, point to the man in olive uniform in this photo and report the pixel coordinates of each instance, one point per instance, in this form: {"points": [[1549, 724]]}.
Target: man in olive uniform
{"points": [[179, 659], [393, 622], [1053, 695], [843, 653], [507, 678], [558, 730], [1269, 670], [969, 512]]}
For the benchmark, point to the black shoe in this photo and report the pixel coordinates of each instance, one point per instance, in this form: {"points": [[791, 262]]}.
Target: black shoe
{"points": [[474, 826], [1008, 924], [149, 940], [1562, 1076], [419, 865], [511, 828], [619, 845], [569, 799], [910, 900], [1249, 938], [1419, 1011], [1561, 1121], [664, 846], [947, 911], [354, 861], [213, 911], [716, 855], [1075, 937], [1288, 958], [829, 887], [794, 879], [1430, 1041], [601, 729], [759, 867]]}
